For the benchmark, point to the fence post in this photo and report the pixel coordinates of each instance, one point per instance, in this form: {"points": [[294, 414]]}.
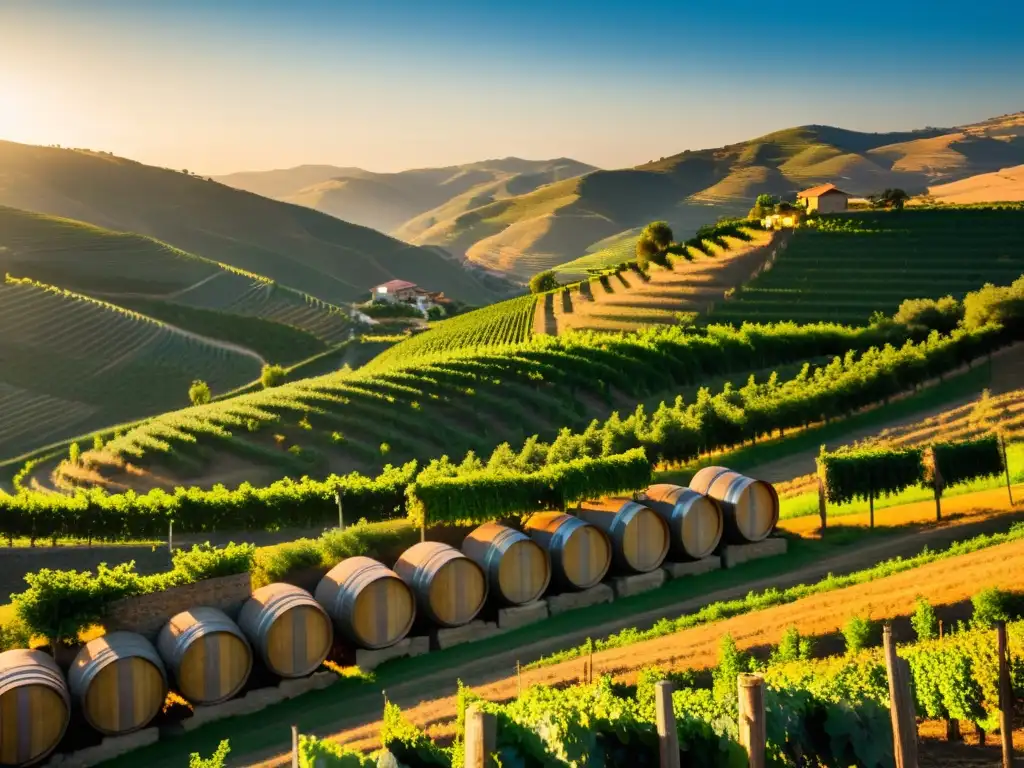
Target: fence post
{"points": [[481, 738], [1006, 467], [904, 724], [295, 746], [822, 504], [341, 514], [668, 737], [170, 538], [1005, 697], [871, 508], [753, 737]]}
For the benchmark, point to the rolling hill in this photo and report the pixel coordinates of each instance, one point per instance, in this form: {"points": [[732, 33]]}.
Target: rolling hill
{"points": [[564, 221], [329, 259], [69, 364], [1003, 185], [406, 203]]}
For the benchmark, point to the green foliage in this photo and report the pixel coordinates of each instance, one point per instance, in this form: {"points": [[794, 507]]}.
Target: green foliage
{"points": [[199, 393], [409, 745], [889, 198], [14, 634], [390, 309], [792, 647], [731, 662], [321, 753], [543, 282], [999, 305], [961, 462], [990, 606], [924, 621], [272, 376], [60, 604], [858, 632], [217, 760], [924, 315], [489, 495], [435, 313], [74, 454], [867, 473]]}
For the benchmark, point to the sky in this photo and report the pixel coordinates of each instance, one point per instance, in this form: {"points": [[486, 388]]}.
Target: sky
{"points": [[231, 85]]}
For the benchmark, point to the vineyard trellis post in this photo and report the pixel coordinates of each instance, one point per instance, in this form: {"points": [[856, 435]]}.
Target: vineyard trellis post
{"points": [[668, 736], [753, 735], [1006, 466], [481, 738], [822, 504], [341, 512], [295, 746], [1005, 696], [901, 703]]}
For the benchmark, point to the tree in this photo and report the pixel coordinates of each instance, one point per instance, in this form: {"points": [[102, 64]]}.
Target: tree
{"points": [[925, 315], [74, 454], [764, 205], [924, 621], [543, 282], [893, 198], [435, 313], [645, 252], [659, 233], [199, 393], [272, 376]]}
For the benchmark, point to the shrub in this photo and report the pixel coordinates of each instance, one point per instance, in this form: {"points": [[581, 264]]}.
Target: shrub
{"points": [[858, 632], [731, 662], [924, 621], [74, 454], [1003, 305], [14, 634], [923, 315], [271, 564], [272, 376], [543, 282], [791, 647], [990, 606], [217, 760], [97, 442], [199, 393]]}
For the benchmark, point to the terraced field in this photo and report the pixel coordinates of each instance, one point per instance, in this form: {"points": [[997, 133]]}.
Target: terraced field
{"points": [[630, 300], [855, 264], [69, 363], [600, 256]]}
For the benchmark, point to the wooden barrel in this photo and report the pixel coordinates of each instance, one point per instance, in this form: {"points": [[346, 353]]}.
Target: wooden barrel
{"points": [[694, 519], [518, 569], [35, 707], [750, 508], [207, 654], [287, 628], [367, 601], [580, 553], [639, 538], [119, 682], [450, 588]]}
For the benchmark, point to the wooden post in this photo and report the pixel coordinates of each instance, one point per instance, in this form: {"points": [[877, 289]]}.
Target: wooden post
{"points": [[938, 506], [341, 513], [940, 629], [753, 737], [1005, 697], [822, 505], [519, 680], [591, 662], [668, 737], [295, 746], [170, 538], [1006, 467], [481, 738], [904, 724], [871, 509]]}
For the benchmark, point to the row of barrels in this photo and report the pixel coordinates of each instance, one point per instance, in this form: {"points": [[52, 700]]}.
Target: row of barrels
{"points": [[120, 680]]}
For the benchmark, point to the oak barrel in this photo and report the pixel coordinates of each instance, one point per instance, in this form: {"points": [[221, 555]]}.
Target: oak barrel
{"points": [[450, 588], [694, 519], [287, 628], [119, 682], [639, 538], [207, 654], [580, 553], [35, 707], [367, 602], [750, 508], [518, 569]]}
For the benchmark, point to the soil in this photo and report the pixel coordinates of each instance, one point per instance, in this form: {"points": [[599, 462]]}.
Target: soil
{"points": [[698, 647]]}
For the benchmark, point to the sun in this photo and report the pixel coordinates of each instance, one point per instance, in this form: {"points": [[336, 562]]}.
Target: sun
{"points": [[13, 109]]}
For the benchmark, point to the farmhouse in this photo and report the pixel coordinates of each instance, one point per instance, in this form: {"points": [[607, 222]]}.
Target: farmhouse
{"points": [[396, 290], [826, 198]]}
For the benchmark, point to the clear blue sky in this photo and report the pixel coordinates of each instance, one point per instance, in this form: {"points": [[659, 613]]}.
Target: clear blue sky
{"points": [[226, 85]]}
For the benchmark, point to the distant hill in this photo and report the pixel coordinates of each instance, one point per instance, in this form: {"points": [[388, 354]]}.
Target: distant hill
{"points": [[327, 258], [999, 186], [409, 202], [563, 221]]}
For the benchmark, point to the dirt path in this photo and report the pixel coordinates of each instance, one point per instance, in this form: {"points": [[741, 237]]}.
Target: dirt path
{"points": [[697, 648], [490, 674]]}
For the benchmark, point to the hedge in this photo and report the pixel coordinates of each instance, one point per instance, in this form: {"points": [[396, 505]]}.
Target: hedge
{"points": [[957, 463]]}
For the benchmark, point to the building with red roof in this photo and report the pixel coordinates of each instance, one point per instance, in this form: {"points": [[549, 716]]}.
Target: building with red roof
{"points": [[825, 198]]}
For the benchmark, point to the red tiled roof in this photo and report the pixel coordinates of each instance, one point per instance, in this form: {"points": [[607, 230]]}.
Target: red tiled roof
{"points": [[397, 285], [821, 190]]}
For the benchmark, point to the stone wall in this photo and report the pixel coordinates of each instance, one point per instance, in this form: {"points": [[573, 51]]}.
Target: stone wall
{"points": [[146, 614]]}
